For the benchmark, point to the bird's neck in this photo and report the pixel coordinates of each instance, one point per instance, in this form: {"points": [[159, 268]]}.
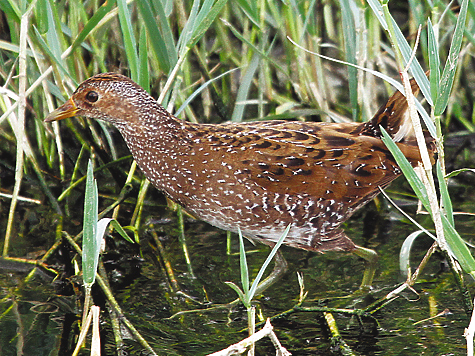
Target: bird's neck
{"points": [[156, 139], [151, 126]]}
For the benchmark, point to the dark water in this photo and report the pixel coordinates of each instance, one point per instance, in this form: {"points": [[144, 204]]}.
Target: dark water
{"points": [[39, 315]]}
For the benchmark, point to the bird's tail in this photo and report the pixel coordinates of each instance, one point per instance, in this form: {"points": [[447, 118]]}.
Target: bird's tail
{"points": [[393, 117]]}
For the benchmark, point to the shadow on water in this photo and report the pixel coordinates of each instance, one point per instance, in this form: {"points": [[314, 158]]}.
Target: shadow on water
{"points": [[40, 315]]}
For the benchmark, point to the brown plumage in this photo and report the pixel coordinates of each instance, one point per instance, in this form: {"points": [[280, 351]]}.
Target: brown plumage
{"points": [[258, 176]]}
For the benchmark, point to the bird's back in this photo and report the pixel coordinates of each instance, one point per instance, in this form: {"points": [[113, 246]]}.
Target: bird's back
{"points": [[262, 176]]}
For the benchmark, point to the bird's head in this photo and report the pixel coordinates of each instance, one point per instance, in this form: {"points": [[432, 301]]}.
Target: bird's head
{"points": [[107, 96]]}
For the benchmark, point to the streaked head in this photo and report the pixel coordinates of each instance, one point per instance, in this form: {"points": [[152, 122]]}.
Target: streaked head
{"points": [[105, 96]]}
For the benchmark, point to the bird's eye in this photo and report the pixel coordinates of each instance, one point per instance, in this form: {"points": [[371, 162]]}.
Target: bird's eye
{"points": [[92, 96]]}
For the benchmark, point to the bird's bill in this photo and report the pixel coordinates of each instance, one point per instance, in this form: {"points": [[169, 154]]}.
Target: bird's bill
{"points": [[68, 109]]}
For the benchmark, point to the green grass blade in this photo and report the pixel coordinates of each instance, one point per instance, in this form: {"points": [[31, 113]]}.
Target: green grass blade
{"points": [[444, 195], [11, 9], [406, 50], [162, 40], [458, 247], [434, 60], [309, 16], [430, 125], [407, 170], [350, 36], [90, 245], [251, 45], [250, 9], [46, 49], [266, 262], [243, 264], [104, 223], [93, 21], [378, 12], [11, 47], [52, 35], [52, 45], [129, 39], [244, 88], [419, 18], [144, 76], [205, 18], [239, 292], [117, 227], [468, 31], [448, 73], [408, 217], [188, 29], [416, 69], [200, 89], [458, 171]]}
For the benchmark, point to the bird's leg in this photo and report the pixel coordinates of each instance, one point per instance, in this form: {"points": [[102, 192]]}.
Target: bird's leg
{"points": [[371, 258], [280, 268]]}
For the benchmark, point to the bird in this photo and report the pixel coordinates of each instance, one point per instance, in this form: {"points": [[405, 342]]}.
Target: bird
{"points": [[258, 177]]}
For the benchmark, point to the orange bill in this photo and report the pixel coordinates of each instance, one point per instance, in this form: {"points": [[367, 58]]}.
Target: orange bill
{"points": [[68, 109]]}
